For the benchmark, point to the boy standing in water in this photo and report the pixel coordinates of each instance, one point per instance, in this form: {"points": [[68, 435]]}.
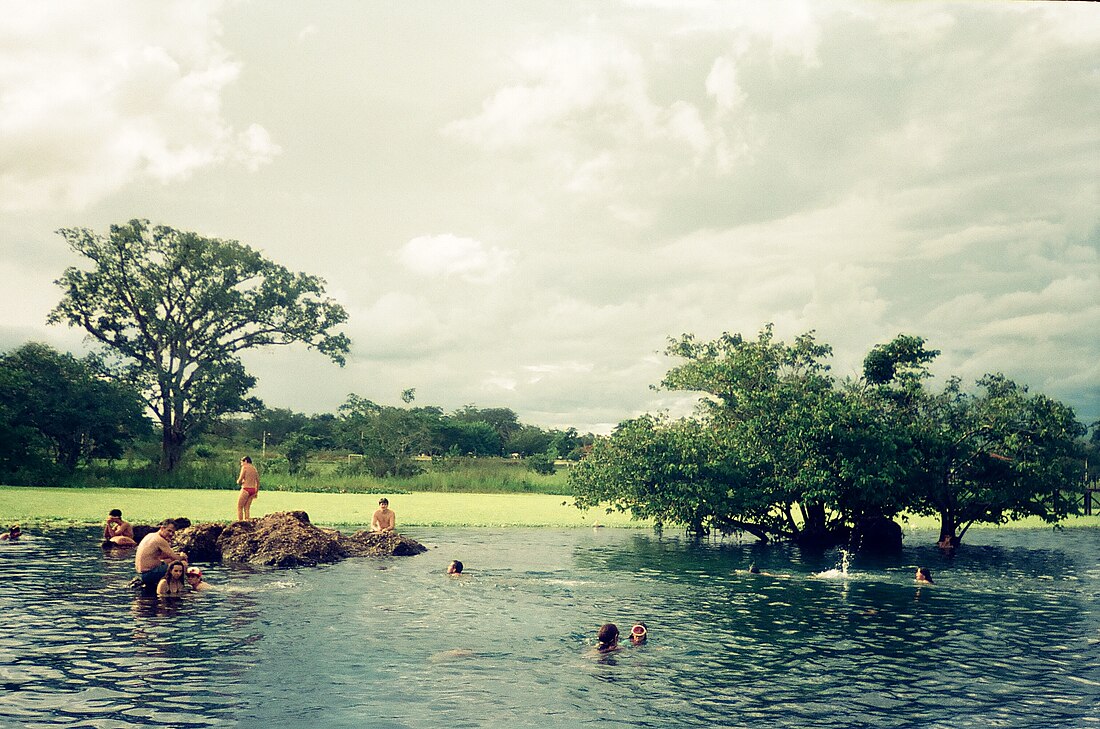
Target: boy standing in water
{"points": [[383, 520]]}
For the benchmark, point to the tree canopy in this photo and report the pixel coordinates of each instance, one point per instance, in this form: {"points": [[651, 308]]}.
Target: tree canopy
{"points": [[176, 309], [780, 449], [57, 410]]}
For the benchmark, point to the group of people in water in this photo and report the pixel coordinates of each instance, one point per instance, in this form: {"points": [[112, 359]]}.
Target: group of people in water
{"points": [[167, 572], [607, 638], [162, 569]]}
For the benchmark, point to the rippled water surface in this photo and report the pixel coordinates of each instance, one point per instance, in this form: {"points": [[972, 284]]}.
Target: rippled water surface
{"points": [[1009, 636]]}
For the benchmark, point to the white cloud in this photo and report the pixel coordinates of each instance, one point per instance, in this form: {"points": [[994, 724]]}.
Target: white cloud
{"points": [[450, 255], [88, 107]]}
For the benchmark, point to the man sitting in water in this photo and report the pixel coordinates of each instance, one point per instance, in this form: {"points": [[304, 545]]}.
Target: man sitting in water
{"points": [[383, 519], [12, 534], [117, 532], [154, 553]]}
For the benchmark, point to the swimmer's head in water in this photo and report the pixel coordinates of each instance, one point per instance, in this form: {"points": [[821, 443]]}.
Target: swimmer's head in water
{"points": [[609, 633], [638, 633], [194, 572], [754, 569], [454, 568]]}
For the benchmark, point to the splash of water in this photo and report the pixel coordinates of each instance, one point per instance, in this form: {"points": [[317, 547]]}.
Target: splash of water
{"points": [[841, 569]]}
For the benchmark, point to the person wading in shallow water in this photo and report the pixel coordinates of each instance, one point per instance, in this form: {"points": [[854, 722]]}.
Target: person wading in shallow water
{"points": [[155, 552], [607, 638], [172, 583], [117, 532], [250, 487]]}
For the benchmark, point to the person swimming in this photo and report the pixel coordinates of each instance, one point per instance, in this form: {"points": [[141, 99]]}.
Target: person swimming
{"points": [[639, 633], [607, 638], [454, 568], [924, 575]]}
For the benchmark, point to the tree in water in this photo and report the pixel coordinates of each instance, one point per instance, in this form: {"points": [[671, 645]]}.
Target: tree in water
{"points": [[177, 309]]}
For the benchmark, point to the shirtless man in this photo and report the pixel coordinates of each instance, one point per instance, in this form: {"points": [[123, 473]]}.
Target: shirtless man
{"points": [[154, 553], [383, 519], [116, 532]]}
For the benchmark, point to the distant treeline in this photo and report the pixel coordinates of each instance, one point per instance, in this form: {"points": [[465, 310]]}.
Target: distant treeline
{"points": [[60, 413]]}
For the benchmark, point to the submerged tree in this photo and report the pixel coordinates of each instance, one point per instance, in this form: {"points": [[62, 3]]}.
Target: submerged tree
{"points": [[778, 449], [775, 449], [177, 309]]}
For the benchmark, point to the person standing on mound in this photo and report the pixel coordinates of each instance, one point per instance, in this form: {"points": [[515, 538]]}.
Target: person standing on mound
{"points": [[383, 520], [250, 487]]}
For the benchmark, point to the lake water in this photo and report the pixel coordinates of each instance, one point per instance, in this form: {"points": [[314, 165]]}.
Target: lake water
{"points": [[1009, 636]]}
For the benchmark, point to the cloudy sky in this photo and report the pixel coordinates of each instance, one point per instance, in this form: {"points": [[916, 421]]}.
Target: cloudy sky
{"points": [[519, 202]]}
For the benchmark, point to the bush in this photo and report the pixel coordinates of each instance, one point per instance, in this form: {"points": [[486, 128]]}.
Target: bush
{"points": [[542, 463]]}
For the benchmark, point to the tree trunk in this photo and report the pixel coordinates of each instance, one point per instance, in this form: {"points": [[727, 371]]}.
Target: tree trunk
{"points": [[815, 532], [948, 527], [171, 449]]}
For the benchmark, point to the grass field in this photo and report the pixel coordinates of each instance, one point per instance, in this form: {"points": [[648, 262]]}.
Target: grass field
{"points": [[41, 507], [47, 507]]}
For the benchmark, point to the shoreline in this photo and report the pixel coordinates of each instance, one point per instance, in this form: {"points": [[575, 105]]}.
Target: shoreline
{"points": [[61, 507], [44, 507]]}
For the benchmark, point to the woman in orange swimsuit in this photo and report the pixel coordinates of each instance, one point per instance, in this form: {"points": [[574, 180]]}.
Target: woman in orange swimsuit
{"points": [[250, 486]]}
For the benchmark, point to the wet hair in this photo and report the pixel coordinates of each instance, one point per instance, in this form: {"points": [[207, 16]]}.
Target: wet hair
{"points": [[457, 567], [384, 500], [246, 459], [183, 575], [925, 574], [168, 522], [754, 569], [15, 529], [115, 512], [608, 634]]}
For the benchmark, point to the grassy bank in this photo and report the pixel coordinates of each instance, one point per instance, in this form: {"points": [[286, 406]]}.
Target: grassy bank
{"points": [[450, 475], [41, 507], [63, 507]]}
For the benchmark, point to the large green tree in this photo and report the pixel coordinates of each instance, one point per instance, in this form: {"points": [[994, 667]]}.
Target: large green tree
{"points": [[779, 449], [987, 456], [178, 308], [55, 408], [775, 449]]}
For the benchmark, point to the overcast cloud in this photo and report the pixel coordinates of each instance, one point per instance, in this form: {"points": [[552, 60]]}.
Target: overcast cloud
{"points": [[518, 203]]}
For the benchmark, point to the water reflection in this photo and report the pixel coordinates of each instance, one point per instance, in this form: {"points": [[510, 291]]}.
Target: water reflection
{"points": [[1007, 636]]}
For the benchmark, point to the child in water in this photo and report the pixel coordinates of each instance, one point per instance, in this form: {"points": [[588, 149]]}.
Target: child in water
{"points": [[607, 638], [172, 583]]}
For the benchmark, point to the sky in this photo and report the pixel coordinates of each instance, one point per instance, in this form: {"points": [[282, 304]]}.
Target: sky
{"points": [[518, 203]]}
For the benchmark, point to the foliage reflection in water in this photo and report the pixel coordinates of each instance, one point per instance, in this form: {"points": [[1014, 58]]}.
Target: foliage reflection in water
{"points": [[1008, 636]]}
